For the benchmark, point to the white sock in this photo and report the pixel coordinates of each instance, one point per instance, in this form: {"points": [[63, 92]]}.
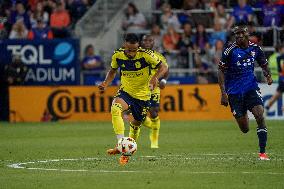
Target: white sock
{"points": [[119, 136]]}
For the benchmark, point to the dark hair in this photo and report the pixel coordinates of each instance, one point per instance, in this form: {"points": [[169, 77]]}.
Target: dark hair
{"points": [[19, 2], [241, 24], [131, 38], [58, 3], [251, 23], [87, 48], [135, 10], [187, 23], [198, 35]]}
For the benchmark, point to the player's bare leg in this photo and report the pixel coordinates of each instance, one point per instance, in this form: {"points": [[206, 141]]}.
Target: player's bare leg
{"points": [[154, 134], [117, 107], [271, 101], [258, 111], [243, 123]]}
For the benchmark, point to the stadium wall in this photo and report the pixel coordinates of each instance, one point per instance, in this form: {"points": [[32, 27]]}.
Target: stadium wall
{"points": [[85, 103]]}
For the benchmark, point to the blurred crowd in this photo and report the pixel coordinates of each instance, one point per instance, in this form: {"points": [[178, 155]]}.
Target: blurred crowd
{"points": [[190, 33], [40, 19], [182, 31]]}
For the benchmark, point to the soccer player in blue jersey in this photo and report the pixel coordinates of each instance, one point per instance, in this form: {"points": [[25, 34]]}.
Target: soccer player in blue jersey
{"points": [[238, 84]]}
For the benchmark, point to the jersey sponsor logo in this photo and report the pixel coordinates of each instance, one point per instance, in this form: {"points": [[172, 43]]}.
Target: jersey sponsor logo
{"points": [[132, 74], [245, 62]]}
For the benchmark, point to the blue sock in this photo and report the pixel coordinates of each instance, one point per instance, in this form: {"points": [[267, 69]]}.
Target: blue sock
{"points": [[262, 138]]}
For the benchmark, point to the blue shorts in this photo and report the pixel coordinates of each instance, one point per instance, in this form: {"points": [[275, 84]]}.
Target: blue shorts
{"points": [[241, 103], [138, 108], [155, 100]]}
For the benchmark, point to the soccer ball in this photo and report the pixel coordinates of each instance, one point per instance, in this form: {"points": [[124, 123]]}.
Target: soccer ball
{"points": [[127, 146]]}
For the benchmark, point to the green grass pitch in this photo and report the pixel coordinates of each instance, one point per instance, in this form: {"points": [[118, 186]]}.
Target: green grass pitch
{"points": [[192, 154]]}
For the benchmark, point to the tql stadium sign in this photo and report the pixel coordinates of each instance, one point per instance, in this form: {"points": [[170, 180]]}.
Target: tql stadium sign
{"points": [[49, 62], [85, 103]]}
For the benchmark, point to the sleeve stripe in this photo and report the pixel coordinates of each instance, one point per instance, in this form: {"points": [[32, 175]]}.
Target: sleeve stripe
{"points": [[227, 51], [113, 67], [158, 65]]}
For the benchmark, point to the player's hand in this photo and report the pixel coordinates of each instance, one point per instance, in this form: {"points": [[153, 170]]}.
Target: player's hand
{"points": [[153, 83], [102, 86], [162, 83], [224, 100], [269, 80]]}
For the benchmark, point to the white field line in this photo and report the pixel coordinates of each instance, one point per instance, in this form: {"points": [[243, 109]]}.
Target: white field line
{"points": [[85, 170], [21, 165]]}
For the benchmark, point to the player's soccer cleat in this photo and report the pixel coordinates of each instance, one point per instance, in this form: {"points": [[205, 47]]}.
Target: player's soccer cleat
{"points": [[123, 160], [263, 156], [113, 151], [154, 144]]}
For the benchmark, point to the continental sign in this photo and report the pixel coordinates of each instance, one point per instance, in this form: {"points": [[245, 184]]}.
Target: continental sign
{"points": [[84, 103]]}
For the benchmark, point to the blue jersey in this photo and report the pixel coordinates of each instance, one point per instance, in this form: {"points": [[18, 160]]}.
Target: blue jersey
{"points": [[238, 66]]}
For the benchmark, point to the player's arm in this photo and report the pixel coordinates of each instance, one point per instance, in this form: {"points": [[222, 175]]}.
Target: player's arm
{"points": [[162, 69], [163, 81], [110, 75], [109, 78], [155, 62], [262, 61], [221, 79]]}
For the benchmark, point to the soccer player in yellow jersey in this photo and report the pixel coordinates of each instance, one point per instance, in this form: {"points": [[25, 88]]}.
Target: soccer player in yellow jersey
{"points": [[134, 64], [153, 122]]}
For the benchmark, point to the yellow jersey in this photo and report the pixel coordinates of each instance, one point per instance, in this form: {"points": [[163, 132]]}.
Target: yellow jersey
{"points": [[272, 60], [135, 72], [154, 70]]}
